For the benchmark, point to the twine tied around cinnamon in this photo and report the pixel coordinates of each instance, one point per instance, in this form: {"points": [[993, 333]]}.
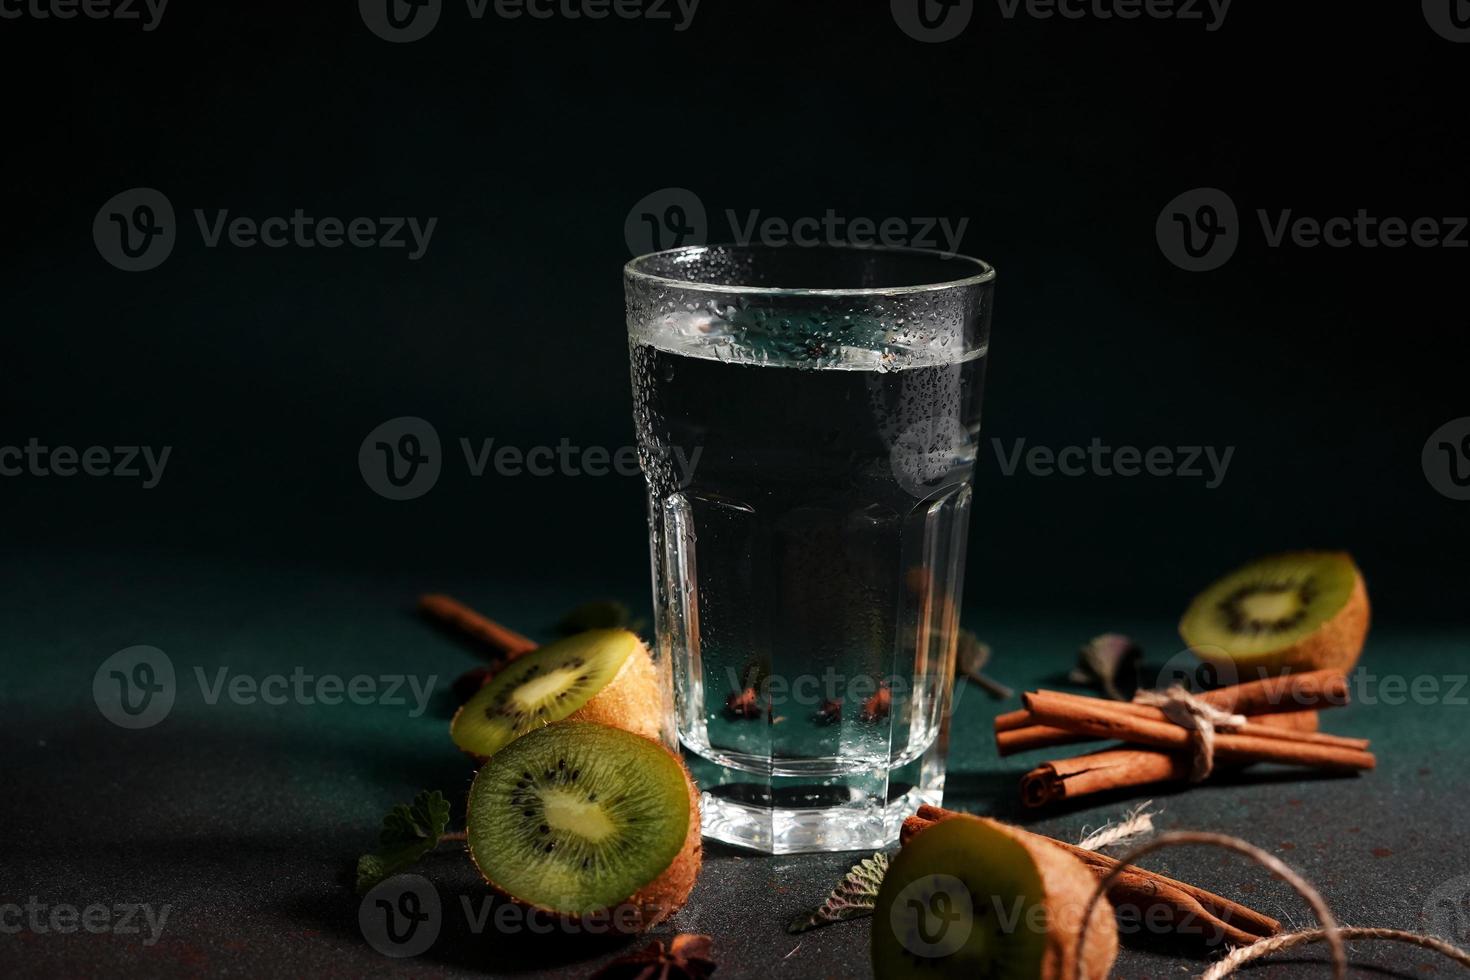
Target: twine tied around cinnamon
{"points": [[1201, 718]]}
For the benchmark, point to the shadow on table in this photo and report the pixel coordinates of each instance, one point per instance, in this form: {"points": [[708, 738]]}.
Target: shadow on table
{"points": [[997, 793], [472, 930]]}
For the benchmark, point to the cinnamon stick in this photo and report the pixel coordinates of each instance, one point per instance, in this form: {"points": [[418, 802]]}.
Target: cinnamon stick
{"points": [[1187, 908], [1270, 695], [1249, 728], [1284, 696], [1285, 693], [1294, 726], [503, 642], [1298, 721], [1111, 720], [1100, 772]]}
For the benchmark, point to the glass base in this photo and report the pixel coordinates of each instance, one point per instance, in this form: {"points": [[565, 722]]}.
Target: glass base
{"points": [[855, 810]]}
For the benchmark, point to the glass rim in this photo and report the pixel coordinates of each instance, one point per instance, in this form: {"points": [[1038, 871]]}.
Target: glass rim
{"points": [[984, 273]]}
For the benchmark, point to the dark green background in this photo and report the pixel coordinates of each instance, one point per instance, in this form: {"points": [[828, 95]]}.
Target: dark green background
{"points": [[1060, 141], [262, 548]]}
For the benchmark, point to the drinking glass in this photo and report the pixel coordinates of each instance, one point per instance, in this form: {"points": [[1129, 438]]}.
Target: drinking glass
{"points": [[807, 426]]}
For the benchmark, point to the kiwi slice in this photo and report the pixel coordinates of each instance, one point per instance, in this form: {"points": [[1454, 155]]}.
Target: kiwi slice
{"points": [[970, 898], [581, 820], [1304, 610], [601, 675]]}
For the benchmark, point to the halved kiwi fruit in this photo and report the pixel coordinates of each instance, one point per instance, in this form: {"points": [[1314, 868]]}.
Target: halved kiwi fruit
{"points": [[1305, 610], [970, 898], [605, 676], [587, 822]]}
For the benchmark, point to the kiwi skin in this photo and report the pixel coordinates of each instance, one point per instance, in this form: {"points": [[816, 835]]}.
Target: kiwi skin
{"points": [[632, 700], [667, 893], [1335, 645], [655, 901], [1067, 887]]}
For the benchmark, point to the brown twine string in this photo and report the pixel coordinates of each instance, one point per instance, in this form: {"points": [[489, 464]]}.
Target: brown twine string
{"points": [[1201, 718], [1245, 954], [1330, 929], [1333, 933]]}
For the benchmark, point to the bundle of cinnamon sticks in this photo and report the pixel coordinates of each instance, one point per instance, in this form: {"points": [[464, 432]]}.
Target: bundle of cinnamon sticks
{"points": [[1281, 727], [1140, 895]]}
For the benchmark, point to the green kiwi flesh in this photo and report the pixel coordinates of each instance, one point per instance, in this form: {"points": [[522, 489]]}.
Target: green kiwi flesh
{"points": [[966, 876], [541, 687], [577, 817], [1269, 604]]}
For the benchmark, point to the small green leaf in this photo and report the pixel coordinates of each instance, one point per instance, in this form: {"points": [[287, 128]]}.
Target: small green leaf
{"points": [[409, 832], [852, 899], [602, 614]]}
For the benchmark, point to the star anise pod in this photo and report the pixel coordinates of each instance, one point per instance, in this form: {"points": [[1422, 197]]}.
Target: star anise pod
{"points": [[686, 957], [1110, 662], [743, 704], [876, 708]]}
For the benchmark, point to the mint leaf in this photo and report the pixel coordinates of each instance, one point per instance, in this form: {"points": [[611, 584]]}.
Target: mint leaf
{"points": [[409, 832], [598, 615], [853, 898]]}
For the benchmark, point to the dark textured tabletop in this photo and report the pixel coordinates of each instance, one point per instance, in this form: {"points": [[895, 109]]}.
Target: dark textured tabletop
{"points": [[242, 821]]}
